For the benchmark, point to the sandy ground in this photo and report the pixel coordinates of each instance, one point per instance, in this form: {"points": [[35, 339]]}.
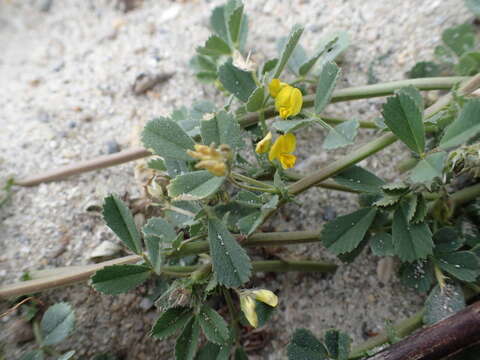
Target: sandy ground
{"points": [[65, 95]]}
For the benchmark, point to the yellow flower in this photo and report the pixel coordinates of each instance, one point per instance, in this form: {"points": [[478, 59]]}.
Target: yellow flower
{"points": [[212, 159], [247, 304], [266, 296], [275, 86], [288, 101], [282, 149], [264, 144]]}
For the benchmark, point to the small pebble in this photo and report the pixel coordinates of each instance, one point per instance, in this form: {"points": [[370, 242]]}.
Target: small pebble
{"points": [[112, 147]]}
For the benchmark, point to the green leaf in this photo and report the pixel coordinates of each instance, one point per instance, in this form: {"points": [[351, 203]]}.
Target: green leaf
{"points": [[269, 65], [444, 55], [208, 352], [345, 233], [213, 325], [447, 239], [171, 321], [469, 64], [182, 213], [234, 23], [464, 265], [156, 164], [417, 275], [186, 345], [411, 241], [359, 179], [289, 126], [341, 135], [387, 201], [33, 355], [403, 116], [429, 168], [334, 52], [288, 49], [473, 6], [119, 218], [240, 354], [442, 303], [310, 63], [117, 279], [157, 231], [325, 85], [396, 188], [194, 185], [223, 128], [255, 101], [382, 244], [231, 263], [217, 22], [298, 57], [167, 139], [214, 46], [238, 82], [460, 39], [464, 127], [424, 69], [57, 323], [420, 210], [338, 344], [305, 346], [67, 355]]}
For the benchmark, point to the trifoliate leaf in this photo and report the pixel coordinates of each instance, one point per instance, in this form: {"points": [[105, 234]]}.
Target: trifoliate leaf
{"points": [[382, 244], [117, 279], [447, 239], [213, 325], [167, 139], [231, 263], [404, 117], [223, 128], [171, 321], [288, 49], [57, 323], [238, 82], [417, 275], [442, 303], [186, 345], [305, 346], [359, 179], [464, 127], [412, 241], [119, 218], [325, 86], [214, 46], [429, 168], [194, 185], [464, 265], [298, 57], [255, 101], [341, 135], [345, 233], [460, 39]]}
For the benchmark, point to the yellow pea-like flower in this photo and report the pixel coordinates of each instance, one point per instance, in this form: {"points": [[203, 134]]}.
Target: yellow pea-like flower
{"points": [[282, 150], [266, 296], [289, 101], [275, 86], [247, 304], [264, 145]]}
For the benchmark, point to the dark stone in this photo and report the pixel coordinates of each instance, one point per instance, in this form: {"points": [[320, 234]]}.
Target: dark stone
{"points": [[329, 213], [112, 147]]}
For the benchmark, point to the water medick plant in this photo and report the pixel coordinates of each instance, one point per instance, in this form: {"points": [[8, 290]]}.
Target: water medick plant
{"points": [[221, 172]]}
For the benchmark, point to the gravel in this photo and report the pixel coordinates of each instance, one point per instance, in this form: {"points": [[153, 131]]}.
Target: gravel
{"points": [[67, 71]]}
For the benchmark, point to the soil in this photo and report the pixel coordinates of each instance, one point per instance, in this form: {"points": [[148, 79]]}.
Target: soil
{"points": [[67, 70]]}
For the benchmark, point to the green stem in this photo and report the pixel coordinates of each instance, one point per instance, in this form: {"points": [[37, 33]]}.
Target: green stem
{"points": [[365, 92], [37, 333], [402, 329], [252, 188], [465, 195], [263, 123], [251, 180]]}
